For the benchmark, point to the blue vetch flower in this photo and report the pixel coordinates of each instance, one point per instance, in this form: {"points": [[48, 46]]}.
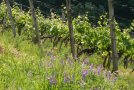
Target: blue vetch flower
{"points": [[108, 75], [115, 79], [99, 70], [52, 81], [91, 67], [84, 74]]}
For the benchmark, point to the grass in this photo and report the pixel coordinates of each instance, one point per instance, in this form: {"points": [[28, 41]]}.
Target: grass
{"points": [[24, 66]]}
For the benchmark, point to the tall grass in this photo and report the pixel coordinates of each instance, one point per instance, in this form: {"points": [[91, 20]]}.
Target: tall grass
{"points": [[23, 66]]}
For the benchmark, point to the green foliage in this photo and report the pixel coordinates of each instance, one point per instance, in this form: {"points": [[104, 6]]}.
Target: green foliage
{"points": [[85, 34], [2, 10], [132, 26]]}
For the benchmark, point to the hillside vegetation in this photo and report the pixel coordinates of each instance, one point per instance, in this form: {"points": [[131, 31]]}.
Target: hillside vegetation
{"points": [[25, 65]]}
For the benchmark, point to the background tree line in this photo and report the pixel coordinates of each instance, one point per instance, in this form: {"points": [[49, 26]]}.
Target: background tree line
{"points": [[124, 9]]}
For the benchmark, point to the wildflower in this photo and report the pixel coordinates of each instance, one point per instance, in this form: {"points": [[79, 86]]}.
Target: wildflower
{"points": [[115, 79], [84, 74], [66, 79], [91, 67], [52, 81], [73, 77], [108, 75], [99, 70]]}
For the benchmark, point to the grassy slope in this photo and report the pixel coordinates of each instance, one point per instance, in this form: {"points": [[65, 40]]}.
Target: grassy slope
{"points": [[24, 66]]}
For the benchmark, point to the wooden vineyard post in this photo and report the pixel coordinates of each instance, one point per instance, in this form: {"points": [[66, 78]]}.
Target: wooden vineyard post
{"points": [[4, 22], [11, 17], [113, 36], [34, 19], [70, 26]]}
